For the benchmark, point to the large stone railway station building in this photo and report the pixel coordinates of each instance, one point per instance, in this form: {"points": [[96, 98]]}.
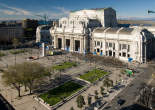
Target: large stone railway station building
{"points": [[96, 31]]}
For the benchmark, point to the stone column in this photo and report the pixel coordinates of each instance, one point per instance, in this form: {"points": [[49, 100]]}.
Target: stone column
{"points": [[55, 42], [71, 44], [117, 49], [63, 43], [81, 45], [84, 44]]}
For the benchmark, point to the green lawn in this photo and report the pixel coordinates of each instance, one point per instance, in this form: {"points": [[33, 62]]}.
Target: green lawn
{"points": [[64, 65], [93, 75], [57, 94], [17, 51], [2, 54]]}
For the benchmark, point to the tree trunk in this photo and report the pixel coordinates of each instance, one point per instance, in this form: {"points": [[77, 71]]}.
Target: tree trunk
{"points": [[17, 86], [30, 87], [30, 90], [25, 87], [19, 93]]}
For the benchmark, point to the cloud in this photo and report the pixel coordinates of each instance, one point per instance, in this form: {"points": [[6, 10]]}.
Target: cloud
{"points": [[7, 12], [56, 13], [135, 17], [62, 9], [18, 13], [13, 10]]}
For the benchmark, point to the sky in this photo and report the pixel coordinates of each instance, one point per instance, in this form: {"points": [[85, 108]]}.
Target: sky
{"points": [[21, 9]]}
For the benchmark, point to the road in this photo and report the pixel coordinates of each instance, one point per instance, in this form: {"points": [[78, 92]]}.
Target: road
{"points": [[131, 91]]}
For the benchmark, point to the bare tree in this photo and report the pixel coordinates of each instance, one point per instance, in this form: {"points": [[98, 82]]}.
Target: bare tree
{"points": [[34, 73], [27, 74], [12, 77], [145, 95]]}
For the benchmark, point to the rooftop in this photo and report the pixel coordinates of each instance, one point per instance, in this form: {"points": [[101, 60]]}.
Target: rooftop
{"points": [[112, 30], [126, 31]]}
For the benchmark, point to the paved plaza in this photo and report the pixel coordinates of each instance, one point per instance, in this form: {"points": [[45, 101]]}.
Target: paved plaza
{"points": [[27, 102]]}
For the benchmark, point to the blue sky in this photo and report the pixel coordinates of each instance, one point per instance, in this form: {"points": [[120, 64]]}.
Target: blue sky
{"points": [[19, 9]]}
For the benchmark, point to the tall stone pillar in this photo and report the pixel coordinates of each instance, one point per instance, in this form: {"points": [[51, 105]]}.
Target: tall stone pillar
{"points": [[71, 44], [84, 43], [81, 45], [63, 43], [55, 42], [117, 49]]}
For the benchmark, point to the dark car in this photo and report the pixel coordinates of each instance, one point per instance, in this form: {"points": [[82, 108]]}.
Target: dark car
{"points": [[120, 102]]}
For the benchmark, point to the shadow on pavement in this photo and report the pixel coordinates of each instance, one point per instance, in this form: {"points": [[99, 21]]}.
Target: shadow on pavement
{"points": [[135, 107]]}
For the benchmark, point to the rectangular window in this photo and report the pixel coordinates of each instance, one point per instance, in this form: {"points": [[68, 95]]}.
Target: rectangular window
{"points": [[101, 44], [64, 22], [106, 53], [124, 54], [114, 46], [120, 47], [128, 48], [98, 43], [120, 54], [124, 46], [110, 44], [95, 43]]}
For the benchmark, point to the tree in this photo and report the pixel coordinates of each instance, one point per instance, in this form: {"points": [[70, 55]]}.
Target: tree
{"points": [[80, 101], [15, 42], [12, 77], [27, 74], [107, 82], [89, 100], [71, 108], [33, 73], [102, 91], [145, 95], [96, 95]]}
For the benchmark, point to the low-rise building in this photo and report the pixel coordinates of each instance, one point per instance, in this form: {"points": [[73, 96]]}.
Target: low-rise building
{"points": [[126, 44], [7, 34]]}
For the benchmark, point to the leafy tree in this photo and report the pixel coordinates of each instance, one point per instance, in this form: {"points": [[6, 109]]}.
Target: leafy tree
{"points": [[107, 82], [71, 108], [102, 91], [15, 42], [80, 101], [96, 94], [89, 100]]}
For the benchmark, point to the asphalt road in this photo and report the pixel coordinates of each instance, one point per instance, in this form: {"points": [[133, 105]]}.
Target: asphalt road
{"points": [[131, 91]]}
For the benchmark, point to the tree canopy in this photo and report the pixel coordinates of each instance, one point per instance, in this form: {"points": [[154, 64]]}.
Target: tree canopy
{"points": [[27, 74]]}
